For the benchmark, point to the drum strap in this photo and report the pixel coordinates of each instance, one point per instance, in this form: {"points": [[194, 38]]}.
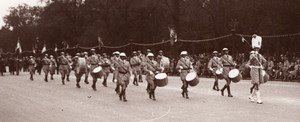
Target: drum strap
{"points": [[217, 62], [183, 62], [152, 65], [228, 61], [122, 66]]}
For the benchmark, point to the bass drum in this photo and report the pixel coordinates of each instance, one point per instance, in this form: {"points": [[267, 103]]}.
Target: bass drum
{"points": [[98, 72], [235, 75], [161, 79], [192, 79]]}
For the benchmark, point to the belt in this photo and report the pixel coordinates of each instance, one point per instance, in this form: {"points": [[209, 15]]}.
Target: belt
{"points": [[63, 64], [122, 72], [46, 64], [93, 64], [226, 65], [185, 69]]}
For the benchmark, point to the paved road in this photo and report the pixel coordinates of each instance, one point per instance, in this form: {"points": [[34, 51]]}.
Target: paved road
{"points": [[23, 100]]}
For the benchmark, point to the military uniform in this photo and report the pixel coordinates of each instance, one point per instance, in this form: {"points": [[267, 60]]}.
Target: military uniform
{"points": [[93, 62], [46, 67], [31, 67], [106, 68], [63, 67], [135, 63], [123, 76], [80, 69], [228, 64], [70, 63], [214, 64], [184, 65], [151, 68], [52, 67]]}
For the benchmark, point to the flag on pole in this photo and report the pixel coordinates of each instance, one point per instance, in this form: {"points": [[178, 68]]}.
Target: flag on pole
{"points": [[44, 48], [67, 47], [243, 39], [100, 42], [55, 49], [18, 48], [173, 34], [33, 50]]}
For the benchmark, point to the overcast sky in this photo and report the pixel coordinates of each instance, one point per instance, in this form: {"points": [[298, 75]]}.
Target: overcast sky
{"points": [[6, 4]]}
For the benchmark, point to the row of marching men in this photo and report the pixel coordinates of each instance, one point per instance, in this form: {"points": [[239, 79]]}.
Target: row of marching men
{"points": [[153, 68]]}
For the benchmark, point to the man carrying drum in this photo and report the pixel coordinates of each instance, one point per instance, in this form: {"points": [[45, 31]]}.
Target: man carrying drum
{"points": [[184, 65], [63, 66], [93, 62], [123, 75], [151, 68], [213, 65], [228, 64], [53, 65], [135, 63], [256, 63], [31, 67], [106, 68], [46, 66], [80, 68]]}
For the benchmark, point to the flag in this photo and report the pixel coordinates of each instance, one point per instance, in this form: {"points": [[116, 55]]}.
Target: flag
{"points": [[67, 47], [33, 50], [19, 46], [243, 39], [173, 34], [100, 42], [44, 48], [55, 49]]}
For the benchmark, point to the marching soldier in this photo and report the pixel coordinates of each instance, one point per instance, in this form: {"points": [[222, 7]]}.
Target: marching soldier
{"points": [[70, 63], [53, 66], [116, 56], [256, 63], [184, 65], [63, 66], [93, 62], [123, 75], [164, 62], [31, 67], [135, 63], [86, 56], [228, 64], [46, 66], [80, 68], [106, 68], [151, 68], [213, 65]]}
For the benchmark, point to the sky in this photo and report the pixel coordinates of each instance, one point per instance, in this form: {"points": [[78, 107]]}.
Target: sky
{"points": [[6, 4]]}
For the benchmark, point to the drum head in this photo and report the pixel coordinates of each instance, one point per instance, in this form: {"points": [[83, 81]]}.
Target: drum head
{"points": [[191, 76], [160, 76], [233, 73], [97, 69]]}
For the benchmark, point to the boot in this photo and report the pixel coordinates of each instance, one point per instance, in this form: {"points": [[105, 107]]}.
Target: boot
{"points": [[222, 90], [68, 78], [186, 95], [77, 85], [217, 85], [31, 77], [182, 93], [121, 95], [134, 80], [140, 78], [104, 83], [124, 96], [153, 95], [117, 89], [229, 92], [94, 87], [259, 101], [51, 77], [251, 96], [148, 88]]}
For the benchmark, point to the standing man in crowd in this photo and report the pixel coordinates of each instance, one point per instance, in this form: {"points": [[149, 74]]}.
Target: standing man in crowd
{"points": [[164, 62], [213, 65], [228, 64], [184, 65]]}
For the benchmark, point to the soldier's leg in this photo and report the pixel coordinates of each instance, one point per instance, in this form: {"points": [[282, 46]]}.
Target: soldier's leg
{"points": [[46, 76], [140, 78], [259, 101], [124, 93], [68, 74], [78, 78], [94, 82], [86, 77], [104, 83], [62, 73], [31, 74], [153, 87]]}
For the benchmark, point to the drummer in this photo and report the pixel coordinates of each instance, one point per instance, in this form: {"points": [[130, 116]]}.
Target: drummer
{"points": [[228, 64], [106, 66], [80, 68], [151, 68], [256, 63], [135, 63], [213, 65], [123, 75], [93, 62], [31, 67], [46, 66], [184, 65], [63, 66]]}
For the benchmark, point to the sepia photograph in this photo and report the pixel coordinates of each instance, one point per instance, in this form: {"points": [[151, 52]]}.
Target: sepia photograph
{"points": [[150, 60]]}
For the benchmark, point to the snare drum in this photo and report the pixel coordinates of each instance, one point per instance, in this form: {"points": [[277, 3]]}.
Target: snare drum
{"points": [[192, 79], [219, 73], [235, 75], [161, 79], [98, 72]]}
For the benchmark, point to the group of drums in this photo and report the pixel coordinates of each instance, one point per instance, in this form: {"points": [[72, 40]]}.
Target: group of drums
{"points": [[161, 79]]}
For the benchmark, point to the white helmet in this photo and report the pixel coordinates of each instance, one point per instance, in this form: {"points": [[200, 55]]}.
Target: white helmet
{"points": [[123, 54], [150, 54], [183, 53]]}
